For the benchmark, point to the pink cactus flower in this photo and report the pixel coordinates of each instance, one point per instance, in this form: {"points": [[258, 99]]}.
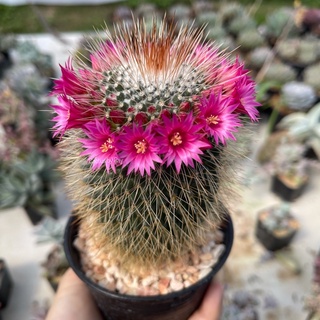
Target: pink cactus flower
{"points": [[181, 141], [139, 149], [100, 145]]}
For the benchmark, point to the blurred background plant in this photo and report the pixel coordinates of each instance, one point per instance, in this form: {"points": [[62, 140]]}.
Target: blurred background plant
{"points": [[55, 265], [28, 159]]}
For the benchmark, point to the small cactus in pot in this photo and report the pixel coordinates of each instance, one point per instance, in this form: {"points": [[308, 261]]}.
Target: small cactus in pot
{"points": [[148, 138], [276, 227]]}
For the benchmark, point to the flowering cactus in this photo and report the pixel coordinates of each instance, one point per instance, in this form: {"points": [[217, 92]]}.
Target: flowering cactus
{"points": [[145, 135]]}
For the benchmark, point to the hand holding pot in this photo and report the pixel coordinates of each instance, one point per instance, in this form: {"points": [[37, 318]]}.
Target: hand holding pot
{"points": [[74, 301]]}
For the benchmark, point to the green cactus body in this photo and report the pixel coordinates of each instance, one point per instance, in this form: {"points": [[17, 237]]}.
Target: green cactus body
{"points": [[150, 220]]}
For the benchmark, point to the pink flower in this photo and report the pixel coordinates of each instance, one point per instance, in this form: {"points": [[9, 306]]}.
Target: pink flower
{"points": [[139, 149], [100, 145], [69, 115], [244, 96], [103, 59], [216, 113], [180, 141], [69, 83]]}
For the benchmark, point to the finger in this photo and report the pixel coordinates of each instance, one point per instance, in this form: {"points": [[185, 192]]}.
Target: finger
{"points": [[211, 306], [73, 300]]}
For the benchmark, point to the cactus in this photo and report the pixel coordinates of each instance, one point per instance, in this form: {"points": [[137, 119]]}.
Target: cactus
{"points": [[28, 182], [280, 22], [279, 72], [231, 11], [26, 81], [27, 53], [241, 24], [249, 40], [146, 202], [216, 32], [311, 77], [302, 52], [180, 11], [298, 95], [258, 56], [210, 18], [304, 127], [289, 163], [278, 219]]}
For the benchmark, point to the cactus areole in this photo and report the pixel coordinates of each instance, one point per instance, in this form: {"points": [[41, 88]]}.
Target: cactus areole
{"points": [[148, 136]]}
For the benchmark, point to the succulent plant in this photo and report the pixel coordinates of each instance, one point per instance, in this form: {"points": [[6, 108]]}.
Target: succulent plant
{"points": [[216, 32], [298, 95], [299, 51], [18, 130], [27, 82], [201, 6], [279, 22], [230, 11], [249, 40], [304, 127], [225, 43], [289, 163], [258, 56], [209, 17], [180, 11], [242, 305], [145, 202], [27, 53], [278, 219], [241, 24], [280, 73], [28, 182], [311, 77]]}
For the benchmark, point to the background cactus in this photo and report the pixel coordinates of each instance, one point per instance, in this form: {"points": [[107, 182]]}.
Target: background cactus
{"points": [[280, 72], [280, 22], [311, 76], [298, 95], [240, 24], [258, 57], [249, 40]]}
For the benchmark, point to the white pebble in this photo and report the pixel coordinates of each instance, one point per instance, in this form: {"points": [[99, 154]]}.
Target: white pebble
{"points": [[176, 285], [204, 272]]}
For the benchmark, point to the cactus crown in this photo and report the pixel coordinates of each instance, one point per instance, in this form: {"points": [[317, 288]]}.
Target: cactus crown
{"points": [[144, 136]]}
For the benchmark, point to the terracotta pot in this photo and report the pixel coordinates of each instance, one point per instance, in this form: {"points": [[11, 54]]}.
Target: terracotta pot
{"points": [[174, 306]]}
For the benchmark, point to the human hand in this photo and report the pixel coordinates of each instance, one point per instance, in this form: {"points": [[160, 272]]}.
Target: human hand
{"points": [[74, 301], [211, 306]]}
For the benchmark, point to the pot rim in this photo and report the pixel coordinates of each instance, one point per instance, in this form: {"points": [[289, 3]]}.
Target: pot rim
{"points": [[68, 247]]}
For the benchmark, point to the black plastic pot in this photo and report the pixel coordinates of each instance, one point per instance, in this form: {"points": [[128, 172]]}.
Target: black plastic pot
{"points": [[5, 284], [174, 306], [284, 192], [270, 241]]}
